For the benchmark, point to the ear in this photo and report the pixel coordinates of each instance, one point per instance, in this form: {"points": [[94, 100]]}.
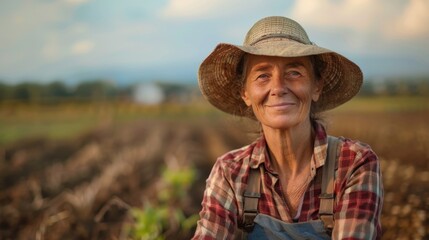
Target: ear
{"points": [[317, 90], [245, 97]]}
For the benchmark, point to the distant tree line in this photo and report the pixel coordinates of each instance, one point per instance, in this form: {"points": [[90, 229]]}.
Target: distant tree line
{"points": [[31, 92], [416, 86], [89, 91], [102, 90]]}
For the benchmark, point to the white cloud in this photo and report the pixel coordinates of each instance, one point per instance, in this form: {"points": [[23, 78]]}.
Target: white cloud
{"points": [[33, 18], [51, 49], [47, 38], [56, 43], [24, 30], [356, 14], [366, 26], [76, 2], [413, 23], [197, 9], [78, 29], [28, 20], [82, 47], [347, 26], [381, 18], [181, 8]]}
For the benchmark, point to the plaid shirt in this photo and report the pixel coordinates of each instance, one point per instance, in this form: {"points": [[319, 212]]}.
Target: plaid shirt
{"points": [[358, 190]]}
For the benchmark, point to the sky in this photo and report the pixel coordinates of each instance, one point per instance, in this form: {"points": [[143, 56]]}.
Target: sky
{"points": [[166, 40]]}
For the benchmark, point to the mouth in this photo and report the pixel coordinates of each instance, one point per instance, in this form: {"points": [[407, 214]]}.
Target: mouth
{"points": [[281, 106]]}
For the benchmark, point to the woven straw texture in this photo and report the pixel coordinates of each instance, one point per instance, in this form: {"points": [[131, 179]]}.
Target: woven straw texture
{"points": [[221, 85]]}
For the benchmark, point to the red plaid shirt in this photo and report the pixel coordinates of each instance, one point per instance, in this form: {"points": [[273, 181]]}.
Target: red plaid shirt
{"points": [[358, 190]]}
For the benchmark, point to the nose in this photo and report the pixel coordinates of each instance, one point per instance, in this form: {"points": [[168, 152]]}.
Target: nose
{"points": [[278, 87]]}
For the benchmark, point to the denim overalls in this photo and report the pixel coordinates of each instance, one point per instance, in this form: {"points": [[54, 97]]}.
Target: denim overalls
{"points": [[267, 227]]}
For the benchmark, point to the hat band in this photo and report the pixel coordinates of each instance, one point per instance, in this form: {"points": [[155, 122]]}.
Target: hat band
{"points": [[279, 35]]}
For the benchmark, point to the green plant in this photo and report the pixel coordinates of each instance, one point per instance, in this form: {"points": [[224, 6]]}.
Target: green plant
{"points": [[166, 214]]}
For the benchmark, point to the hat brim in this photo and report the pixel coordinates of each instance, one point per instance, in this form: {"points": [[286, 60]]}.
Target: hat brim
{"points": [[221, 86]]}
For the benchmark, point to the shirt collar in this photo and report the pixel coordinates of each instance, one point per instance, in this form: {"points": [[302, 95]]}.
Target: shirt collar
{"points": [[260, 154]]}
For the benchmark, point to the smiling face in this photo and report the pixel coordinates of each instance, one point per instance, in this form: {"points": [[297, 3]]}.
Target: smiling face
{"points": [[280, 90]]}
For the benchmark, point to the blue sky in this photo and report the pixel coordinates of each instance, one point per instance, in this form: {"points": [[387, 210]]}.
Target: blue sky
{"points": [[142, 40]]}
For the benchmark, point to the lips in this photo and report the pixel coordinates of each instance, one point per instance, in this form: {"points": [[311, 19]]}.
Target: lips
{"points": [[284, 106], [280, 104]]}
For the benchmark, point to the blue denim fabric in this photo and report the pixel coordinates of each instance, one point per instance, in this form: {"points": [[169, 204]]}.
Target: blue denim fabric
{"points": [[267, 227]]}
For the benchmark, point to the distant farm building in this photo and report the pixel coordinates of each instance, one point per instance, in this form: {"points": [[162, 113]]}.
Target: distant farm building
{"points": [[148, 93]]}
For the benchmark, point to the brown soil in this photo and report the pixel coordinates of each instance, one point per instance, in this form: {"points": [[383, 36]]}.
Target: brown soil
{"points": [[82, 188]]}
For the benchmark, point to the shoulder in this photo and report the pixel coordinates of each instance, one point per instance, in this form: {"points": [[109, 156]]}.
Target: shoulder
{"points": [[234, 165], [359, 191], [355, 149], [356, 155], [237, 160]]}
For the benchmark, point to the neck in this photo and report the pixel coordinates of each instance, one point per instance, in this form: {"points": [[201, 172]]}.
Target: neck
{"points": [[290, 149]]}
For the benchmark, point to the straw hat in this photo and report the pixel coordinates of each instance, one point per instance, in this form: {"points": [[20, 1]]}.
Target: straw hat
{"points": [[220, 83]]}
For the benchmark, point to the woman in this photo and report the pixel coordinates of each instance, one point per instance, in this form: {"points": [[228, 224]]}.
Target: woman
{"points": [[282, 80]]}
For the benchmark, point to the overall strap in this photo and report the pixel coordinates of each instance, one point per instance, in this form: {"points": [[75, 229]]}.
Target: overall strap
{"points": [[251, 198], [326, 209]]}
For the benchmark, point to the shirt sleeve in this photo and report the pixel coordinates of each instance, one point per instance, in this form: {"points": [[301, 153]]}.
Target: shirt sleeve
{"points": [[219, 207], [359, 203]]}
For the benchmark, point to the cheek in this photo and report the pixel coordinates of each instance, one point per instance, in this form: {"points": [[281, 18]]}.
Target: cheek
{"points": [[303, 92], [308, 91], [254, 95]]}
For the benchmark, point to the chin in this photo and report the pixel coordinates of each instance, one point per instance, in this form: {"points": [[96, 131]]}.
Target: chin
{"points": [[280, 123]]}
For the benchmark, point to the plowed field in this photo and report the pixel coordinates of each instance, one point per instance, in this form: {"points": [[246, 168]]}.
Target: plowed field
{"points": [[82, 188]]}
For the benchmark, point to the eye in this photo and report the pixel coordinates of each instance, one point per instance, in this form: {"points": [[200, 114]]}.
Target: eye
{"points": [[293, 74], [263, 77]]}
